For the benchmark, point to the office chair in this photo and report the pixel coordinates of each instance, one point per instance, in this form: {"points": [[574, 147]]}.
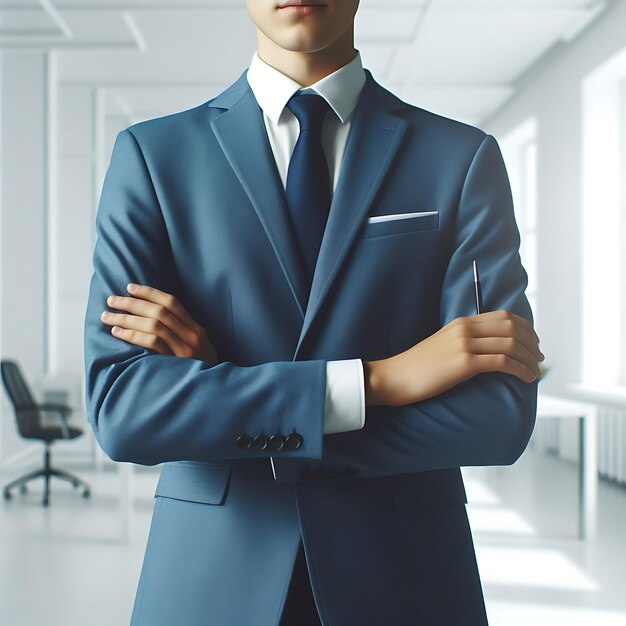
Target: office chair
{"points": [[28, 417]]}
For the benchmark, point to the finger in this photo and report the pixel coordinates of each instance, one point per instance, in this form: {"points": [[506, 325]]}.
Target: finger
{"points": [[148, 326], [508, 328], [147, 309], [498, 326], [167, 300], [508, 346], [491, 316], [503, 314], [146, 340], [502, 363]]}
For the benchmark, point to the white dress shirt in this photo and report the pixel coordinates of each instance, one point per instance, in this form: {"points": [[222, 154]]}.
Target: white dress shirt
{"points": [[344, 408]]}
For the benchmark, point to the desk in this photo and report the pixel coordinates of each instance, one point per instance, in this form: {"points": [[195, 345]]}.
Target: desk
{"points": [[586, 414]]}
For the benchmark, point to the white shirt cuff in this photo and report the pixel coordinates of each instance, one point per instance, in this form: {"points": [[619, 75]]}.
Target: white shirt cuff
{"points": [[344, 408]]}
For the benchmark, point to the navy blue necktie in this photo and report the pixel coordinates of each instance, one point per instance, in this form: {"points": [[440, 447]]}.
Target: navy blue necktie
{"points": [[308, 182]]}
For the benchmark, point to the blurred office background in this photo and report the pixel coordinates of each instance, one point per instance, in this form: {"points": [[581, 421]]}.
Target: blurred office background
{"points": [[546, 77]]}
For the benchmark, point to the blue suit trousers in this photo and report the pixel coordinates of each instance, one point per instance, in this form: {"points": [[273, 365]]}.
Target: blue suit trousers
{"points": [[299, 608]]}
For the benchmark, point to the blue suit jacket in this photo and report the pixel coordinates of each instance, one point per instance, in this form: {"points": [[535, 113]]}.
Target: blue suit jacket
{"points": [[192, 203]]}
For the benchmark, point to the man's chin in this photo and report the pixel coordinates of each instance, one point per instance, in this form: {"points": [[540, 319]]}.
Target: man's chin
{"points": [[298, 43]]}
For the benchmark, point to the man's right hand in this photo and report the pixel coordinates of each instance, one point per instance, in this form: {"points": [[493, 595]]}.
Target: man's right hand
{"points": [[496, 341]]}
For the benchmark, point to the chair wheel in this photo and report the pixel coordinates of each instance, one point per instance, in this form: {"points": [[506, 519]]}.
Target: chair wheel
{"points": [[23, 489], [7, 495], [45, 502], [75, 484], [86, 493]]}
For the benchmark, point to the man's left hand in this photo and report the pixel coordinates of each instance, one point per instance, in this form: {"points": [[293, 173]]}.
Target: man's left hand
{"points": [[159, 322]]}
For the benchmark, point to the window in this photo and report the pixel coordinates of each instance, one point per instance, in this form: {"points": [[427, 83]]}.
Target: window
{"points": [[622, 212], [603, 224]]}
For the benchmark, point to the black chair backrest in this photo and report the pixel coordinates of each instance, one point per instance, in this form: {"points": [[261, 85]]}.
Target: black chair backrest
{"points": [[24, 405]]}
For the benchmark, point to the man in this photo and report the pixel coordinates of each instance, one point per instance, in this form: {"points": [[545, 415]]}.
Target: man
{"points": [[316, 234]]}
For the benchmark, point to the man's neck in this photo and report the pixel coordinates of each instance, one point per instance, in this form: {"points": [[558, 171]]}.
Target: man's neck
{"points": [[306, 68]]}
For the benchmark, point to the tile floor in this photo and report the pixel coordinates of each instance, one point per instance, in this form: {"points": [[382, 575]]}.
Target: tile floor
{"points": [[66, 565]]}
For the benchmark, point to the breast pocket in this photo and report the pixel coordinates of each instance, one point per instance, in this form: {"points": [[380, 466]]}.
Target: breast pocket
{"points": [[194, 481], [401, 223]]}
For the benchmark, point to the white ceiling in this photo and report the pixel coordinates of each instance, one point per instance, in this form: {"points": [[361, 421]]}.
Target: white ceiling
{"points": [[459, 58]]}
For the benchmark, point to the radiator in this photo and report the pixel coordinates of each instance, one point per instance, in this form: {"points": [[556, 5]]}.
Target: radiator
{"points": [[560, 438], [612, 443]]}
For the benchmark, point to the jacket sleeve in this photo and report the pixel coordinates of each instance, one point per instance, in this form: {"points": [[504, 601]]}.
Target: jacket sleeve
{"points": [[485, 420], [149, 408]]}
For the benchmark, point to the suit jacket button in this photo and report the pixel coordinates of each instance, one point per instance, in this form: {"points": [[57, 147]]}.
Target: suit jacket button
{"points": [[293, 441], [276, 442], [260, 442], [244, 441]]}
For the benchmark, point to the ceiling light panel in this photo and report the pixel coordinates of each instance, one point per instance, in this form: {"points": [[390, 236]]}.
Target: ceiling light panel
{"points": [[101, 26], [20, 4], [26, 22], [170, 5], [515, 5], [386, 25], [466, 45], [182, 47]]}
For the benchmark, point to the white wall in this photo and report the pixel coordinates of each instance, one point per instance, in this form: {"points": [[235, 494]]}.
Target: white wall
{"points": [[55, 151], [23, 242]]}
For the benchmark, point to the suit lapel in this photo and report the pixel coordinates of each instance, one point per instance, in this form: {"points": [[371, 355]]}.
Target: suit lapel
{"points": [[375, 136], [241, 133]]}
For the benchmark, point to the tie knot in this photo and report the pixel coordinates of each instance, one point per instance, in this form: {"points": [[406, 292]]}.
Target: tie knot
{"points": [[310, 109]]}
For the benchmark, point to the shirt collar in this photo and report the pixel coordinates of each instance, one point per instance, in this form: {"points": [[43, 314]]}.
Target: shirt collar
{"points": [[272, 89]]}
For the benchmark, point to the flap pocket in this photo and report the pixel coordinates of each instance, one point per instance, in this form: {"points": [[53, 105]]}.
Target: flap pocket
{"points": [[194, 481], [397, 223]]}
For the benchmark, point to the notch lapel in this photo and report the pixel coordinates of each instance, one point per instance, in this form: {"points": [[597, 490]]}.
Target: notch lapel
{"points": [[373, 141], [374, 138], [241, 133]]}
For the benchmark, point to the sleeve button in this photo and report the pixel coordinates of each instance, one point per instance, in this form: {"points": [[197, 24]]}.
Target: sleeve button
{"points": [[276, 442], [244, 441], [260, 442], [293, 441]]}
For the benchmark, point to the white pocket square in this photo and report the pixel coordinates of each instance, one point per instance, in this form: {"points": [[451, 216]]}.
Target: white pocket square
{"points": [[399, 216]]}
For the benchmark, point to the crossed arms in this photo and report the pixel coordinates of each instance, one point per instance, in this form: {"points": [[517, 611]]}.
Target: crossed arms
{"points": [[156, 392]]}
